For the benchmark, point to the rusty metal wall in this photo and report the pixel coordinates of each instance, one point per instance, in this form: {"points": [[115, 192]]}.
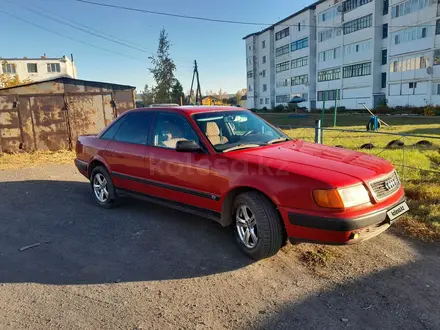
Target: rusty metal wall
{"points": [[52, 116]]}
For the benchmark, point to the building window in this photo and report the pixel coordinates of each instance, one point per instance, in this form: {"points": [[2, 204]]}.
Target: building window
{"points": [[8, 68], [358, 24], [250, 47], [282, 98], [284, 66], [263, 44], [329, 95], [384, 80], [264, 73], [282, 50], [328, 75], [281, 34], [261, 101], [413, 62], [384, 56], [386, 5], [55, 67], [328, 14], [299, 44], [299, 62], [250, 88], [300, 80], [282, 82], [264, 59], [264, 87], [437, 27], [408, 7], [250, 74], [329, 55], [437, 57], [385, 31], [329, 34], [412, 85], [410, 34], [266, 100], [299, 26], [357, 70], [350, 5], [32, 67]]}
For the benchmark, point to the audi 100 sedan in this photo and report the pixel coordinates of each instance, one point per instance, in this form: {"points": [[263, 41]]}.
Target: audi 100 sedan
{"points": [[229, 165]]}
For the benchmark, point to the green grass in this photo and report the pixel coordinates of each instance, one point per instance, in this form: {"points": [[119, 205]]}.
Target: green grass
{"points": [[344, 120], [418, 167]]}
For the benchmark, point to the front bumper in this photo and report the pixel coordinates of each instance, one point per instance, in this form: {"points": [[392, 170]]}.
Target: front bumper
{"points": [[303, 227]]}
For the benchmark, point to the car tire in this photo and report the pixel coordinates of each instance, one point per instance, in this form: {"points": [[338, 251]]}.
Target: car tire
{"points": [[104, 195], [266, 231]]}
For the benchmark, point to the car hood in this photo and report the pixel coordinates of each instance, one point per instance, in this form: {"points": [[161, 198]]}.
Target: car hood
{"points": [[352, 163]]}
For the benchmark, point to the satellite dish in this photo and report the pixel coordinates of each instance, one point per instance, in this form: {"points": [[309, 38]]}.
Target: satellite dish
{"points": [[429, 70]]}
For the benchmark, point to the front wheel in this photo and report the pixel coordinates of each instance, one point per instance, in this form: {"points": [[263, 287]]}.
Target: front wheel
{"points": [[258, 227], [102, 187]]}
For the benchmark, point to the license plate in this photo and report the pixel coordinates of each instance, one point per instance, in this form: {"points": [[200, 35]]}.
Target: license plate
{"points": [[397, 211]]}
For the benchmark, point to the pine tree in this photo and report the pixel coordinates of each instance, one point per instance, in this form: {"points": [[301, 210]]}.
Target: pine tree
{"points": [[163, 70]]}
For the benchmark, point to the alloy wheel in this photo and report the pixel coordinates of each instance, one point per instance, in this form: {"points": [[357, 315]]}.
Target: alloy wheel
{"points": [[246, 226]]}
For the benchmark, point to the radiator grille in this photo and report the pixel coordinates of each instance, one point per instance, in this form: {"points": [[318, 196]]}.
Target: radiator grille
{"points": [[386, 186]]}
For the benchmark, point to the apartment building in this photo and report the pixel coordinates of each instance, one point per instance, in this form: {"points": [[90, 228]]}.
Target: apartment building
{"points": [[351, 53], [37, 69], [278, 62]]}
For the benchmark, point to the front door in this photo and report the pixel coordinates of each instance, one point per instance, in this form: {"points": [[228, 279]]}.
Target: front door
{"points": [[180, 176]]}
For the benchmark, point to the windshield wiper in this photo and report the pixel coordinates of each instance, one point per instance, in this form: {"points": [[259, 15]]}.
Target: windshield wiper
{"points": [[281, 139], [242, 146]]}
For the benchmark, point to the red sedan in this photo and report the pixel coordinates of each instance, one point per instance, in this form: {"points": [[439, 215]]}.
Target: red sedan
{"points": [[229, 165]]}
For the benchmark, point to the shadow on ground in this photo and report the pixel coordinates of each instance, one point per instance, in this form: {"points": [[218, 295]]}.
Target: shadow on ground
{"points": [[403, 297], [82, 243]]}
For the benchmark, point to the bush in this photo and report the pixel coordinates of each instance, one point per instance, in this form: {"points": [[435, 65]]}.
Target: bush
{"points": [[279, 108], [429, 111]]}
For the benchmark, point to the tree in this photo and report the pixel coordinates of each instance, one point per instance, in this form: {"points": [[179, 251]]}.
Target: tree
{"points": [[147, 96], [163, 70], [239, 94], [10, 80], [177, 92]]}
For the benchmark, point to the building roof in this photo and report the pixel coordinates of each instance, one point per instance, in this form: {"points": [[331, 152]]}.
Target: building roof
{"points": [[73, 81], [32, 59], [312, 6]]}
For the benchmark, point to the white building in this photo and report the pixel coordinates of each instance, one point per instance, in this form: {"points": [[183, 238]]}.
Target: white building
{"points": [[348, 53], [37, 69]]}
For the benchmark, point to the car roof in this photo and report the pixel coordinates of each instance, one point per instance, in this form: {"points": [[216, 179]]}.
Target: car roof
{"points": [[191, 109]]}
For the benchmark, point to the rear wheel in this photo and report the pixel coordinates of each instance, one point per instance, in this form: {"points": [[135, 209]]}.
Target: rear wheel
{"points": [[102, 187], [258, 227]]}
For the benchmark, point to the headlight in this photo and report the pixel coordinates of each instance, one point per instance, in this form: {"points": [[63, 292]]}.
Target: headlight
{"points": [[342, 198]]}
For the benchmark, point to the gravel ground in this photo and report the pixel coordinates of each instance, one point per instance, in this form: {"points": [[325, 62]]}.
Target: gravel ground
{"points": [[143, 266]]}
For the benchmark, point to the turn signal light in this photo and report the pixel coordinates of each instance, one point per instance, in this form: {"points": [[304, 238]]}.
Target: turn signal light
{"points": [[328, 198]]}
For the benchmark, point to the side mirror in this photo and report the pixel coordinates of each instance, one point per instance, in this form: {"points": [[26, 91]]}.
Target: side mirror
{"points": [[187, 146]]}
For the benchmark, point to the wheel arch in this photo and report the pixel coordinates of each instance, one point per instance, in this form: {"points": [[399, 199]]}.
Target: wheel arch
{"points": [[94, 163], [228, 202]]}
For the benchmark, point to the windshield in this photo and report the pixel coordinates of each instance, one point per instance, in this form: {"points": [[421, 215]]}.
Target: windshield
{"points": [[237, 130]]}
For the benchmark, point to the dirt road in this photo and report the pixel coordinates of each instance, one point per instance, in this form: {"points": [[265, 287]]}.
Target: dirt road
{"points": [[147, 267]]}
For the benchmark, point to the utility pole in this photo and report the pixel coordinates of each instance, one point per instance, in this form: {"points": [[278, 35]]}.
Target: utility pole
{"points": [[198, 90]]}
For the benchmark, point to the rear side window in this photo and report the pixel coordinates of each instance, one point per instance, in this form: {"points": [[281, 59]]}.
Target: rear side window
{"points": [[111, 131], [135, 128]]}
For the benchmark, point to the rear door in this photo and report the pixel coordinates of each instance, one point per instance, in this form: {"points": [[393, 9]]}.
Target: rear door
{"points": [[126, 150]]}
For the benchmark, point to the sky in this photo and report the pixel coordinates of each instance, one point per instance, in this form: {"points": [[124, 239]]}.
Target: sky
{"points": [[218, 48]]}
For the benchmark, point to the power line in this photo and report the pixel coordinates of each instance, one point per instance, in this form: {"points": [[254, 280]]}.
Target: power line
{"points": [[67, 37], [219, 20], [97, 33]]}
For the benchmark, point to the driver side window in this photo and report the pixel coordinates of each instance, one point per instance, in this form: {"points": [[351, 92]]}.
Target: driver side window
{"points": [[170, 129]]}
